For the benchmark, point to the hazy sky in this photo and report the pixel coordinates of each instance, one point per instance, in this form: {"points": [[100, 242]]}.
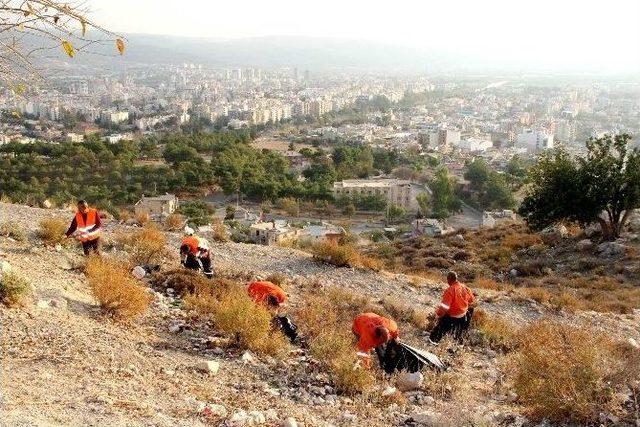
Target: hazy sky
{"points": [[603, 33]]}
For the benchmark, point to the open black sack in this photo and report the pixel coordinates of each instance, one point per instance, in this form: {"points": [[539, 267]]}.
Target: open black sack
{"points": [[398, 356]]}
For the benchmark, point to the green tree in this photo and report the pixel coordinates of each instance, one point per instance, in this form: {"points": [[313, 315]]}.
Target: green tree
{"points": [[477, 174], [349, 210], [423, 203], [197, 212], [395, 212], [444, 199], [602, 186]]}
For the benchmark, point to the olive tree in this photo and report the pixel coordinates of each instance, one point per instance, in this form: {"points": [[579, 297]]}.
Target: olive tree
{"points": [[602, 186]]}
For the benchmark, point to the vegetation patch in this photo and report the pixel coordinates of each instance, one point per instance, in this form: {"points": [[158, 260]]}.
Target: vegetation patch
{"points": [[119, 294], [13, 230], [52, 230], [146, 246], [14, 288]]}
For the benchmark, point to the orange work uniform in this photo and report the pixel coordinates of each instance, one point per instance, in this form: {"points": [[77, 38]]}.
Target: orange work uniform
{"points": [[364, 327], [455, 301], [261, 291]]}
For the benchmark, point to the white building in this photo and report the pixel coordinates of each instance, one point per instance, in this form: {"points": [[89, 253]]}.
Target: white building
{"points": [[394, 191], [474, 144], [114, 117], [534, 140]]}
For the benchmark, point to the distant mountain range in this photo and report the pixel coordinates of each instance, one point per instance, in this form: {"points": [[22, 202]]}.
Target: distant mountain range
{"points": [[313, 53]]}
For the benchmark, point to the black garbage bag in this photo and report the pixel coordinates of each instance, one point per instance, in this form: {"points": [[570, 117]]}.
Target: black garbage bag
{"points": [[398, 356], [288, 328]]}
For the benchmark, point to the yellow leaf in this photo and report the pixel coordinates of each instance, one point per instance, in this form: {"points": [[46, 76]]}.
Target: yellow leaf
{"points": [[68, 48], [20, 89], [21, 26], [120, 45], [84, 27]]}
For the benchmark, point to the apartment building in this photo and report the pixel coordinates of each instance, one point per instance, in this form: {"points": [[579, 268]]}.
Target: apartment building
{"points": [[395, 191]]}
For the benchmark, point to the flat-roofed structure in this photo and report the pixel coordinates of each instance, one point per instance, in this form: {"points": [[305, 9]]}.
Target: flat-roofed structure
{"points": [[394, 191]]}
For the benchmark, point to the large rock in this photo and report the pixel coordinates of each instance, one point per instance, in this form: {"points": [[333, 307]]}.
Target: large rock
{"points": [[611, 249], [584, 245], [554, 234], [208, 366], [407, 381]]}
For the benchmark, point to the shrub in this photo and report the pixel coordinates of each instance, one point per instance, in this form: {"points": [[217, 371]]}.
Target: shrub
{"points": [[436, 262], [560, 372], [146, 246], [238, 315], [219, 232], [343, 255], [142, 218], [495, 331], [52, 230], [566, 300], [484, 283], [326, 320], [13, 288], [118, 293], [184, 281], [13, 230], [174, 222]]}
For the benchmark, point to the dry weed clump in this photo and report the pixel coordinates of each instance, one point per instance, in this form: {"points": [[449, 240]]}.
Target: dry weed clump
{"points": [[536, 293], [561, 372], [566, 301], [484, 283], [143, 219], [495, 331], [327, 325], [14, 288], [118, 293], [219, 232], [343, 255], [174, 222], [13, 230], [404, 312], [52, 230], [183, 281], [249, 323], [146, 246], [277, 278]]}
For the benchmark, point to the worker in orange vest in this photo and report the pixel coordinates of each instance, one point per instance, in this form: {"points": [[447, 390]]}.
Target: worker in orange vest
{"points": [[195, 252], [86, 228], [371, 331], [267, 293], [454, 311]]}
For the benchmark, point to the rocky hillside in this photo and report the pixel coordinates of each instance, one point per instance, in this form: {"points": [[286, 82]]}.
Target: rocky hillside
{"points": [[65, 363]]}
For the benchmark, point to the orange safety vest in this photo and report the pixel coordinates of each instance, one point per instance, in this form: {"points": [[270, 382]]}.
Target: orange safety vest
{"points": [[260, 291], [364, 326], [83, 228], [192, 242], [455, 301]]}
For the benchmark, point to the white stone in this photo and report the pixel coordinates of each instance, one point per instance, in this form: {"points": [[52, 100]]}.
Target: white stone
{"points": [[257, 417], [389, 391], [407, 381], [5, 267], [209, 366], [138, 272], [290, 422], [633, 343], [43, 304], [247, 357]]}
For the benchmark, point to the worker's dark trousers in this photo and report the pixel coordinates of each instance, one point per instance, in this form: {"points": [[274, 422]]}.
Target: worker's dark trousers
{"points": [[456, 325], [91, 246], [196, 263]]}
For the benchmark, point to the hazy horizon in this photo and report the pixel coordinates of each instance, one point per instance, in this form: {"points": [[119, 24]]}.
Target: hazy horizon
{"points": [[548, 34]]}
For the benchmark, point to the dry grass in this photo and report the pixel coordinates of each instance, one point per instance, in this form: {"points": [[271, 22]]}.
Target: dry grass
{"points": [[13, 230], [344, 255], [404, 312], [566, 301], [219, 232], [560, 372], [52, 230], [249, 323], [14, 288], [485, 283], [174, 222], [146, 246], [118, 293], [495, 331], [536, 293], [277, 279], [143, 219], [326, 320], [182, 281]]}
